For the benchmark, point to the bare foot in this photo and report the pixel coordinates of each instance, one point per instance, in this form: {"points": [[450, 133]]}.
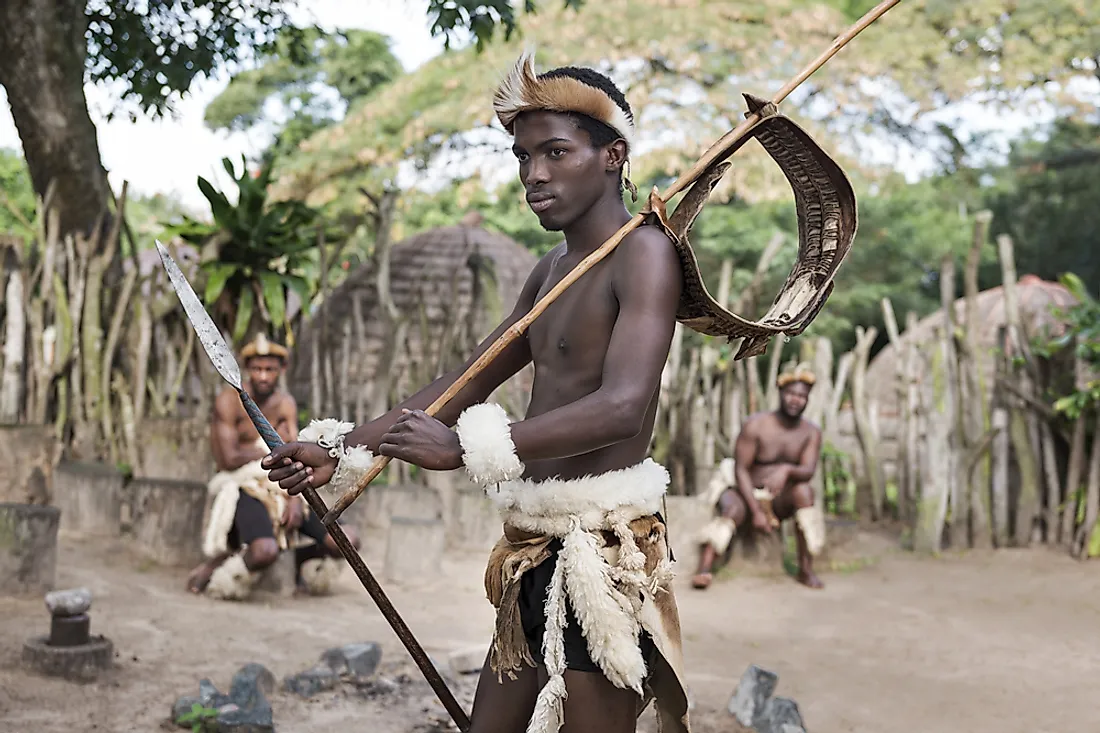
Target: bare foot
{"points": [[809, 579], [199, 578], [702, 581]]}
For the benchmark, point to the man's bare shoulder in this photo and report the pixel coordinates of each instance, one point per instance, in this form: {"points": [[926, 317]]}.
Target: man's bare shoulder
{"points": [[647, 258], [227, 404], [756, 421], [811, 427]]}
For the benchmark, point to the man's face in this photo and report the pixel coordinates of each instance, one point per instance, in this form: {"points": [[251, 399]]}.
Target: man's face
{"points": [[562, 172], [793, 398], [263, 374]]}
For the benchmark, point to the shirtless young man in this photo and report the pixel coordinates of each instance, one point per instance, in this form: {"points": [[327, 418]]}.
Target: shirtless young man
{"points": [[251, 518], [776, 453], [587, 625]]}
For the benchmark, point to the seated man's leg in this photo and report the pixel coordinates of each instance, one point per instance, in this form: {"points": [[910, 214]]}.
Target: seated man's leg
{"points": [[718, 534], [316, 579], [236, 573], [797, 500]]}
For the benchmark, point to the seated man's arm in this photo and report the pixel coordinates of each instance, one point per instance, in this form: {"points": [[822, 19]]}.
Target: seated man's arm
{"points": [[807, 462], [744, 455], [647, 283], [228, 455], [516, 356]]}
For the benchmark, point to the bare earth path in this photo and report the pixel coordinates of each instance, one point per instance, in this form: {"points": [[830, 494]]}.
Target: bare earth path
{"points": [[987, 643]]}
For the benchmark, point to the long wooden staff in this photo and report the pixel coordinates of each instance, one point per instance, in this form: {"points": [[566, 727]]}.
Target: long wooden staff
{"points": [[517, 329]]}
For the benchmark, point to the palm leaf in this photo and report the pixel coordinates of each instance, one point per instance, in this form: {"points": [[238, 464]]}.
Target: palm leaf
{"points": [[274, 294], [244, 313], [220, 272]]}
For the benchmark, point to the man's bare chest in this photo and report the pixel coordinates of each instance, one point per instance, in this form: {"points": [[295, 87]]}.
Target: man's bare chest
{"points": [[781, 446], [576, 328]]}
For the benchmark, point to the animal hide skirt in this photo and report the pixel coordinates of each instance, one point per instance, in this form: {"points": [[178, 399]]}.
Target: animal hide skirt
{"points": [[581, 579]]}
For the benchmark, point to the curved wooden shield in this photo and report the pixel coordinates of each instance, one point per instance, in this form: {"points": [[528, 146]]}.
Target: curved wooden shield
{"points": [[827, 221]]}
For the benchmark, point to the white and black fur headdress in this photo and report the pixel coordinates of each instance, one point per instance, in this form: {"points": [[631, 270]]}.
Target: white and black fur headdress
{"points": [[523, 90]]}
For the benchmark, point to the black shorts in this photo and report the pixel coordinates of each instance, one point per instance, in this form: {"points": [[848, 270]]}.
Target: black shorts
{"points": [[532, 611], [252, 522]]}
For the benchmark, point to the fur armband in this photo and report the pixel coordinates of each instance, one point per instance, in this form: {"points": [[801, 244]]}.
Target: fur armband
{"points": [[484, 431], [354, 461]]}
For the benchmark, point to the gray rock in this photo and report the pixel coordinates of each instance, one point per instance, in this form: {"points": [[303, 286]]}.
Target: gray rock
{"points": [[780, 715], [358, 661], [183, 706], [70, 602], [252, 682], [752, 693], [244, 710], [312, 681]]}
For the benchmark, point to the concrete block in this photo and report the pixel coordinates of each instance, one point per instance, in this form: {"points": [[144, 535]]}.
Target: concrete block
{"points": [[28, 548], [278, 578], [414, 549], [90, 497], [167, 520], [473, 523]]}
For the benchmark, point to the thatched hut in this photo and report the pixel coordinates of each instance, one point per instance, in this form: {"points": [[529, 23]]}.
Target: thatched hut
{"points": [[449, 287], [1038, 300]]}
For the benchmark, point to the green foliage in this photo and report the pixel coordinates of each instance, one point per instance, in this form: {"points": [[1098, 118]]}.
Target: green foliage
{"points": [[17, 205], [1045, 199], [264, 250], [308, 71], [454, 18], [158, 48], [1082, 333], [201, 719]]}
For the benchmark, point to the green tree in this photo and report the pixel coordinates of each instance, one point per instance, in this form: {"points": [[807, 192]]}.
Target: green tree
{"points": [[1045, 198], [313, 75], [153, 49], [17, 205], [258, 252]]}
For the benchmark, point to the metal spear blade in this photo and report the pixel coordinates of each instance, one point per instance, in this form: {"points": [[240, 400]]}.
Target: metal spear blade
{"points": [[209, 336]]}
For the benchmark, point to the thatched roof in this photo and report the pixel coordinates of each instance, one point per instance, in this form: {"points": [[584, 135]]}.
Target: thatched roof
{"points": [[436, 277], [1037, 300]]}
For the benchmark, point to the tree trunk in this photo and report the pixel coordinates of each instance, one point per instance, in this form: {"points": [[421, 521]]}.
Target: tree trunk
{"points": [[862, 414], [957, 492], [42, 56], [975, 394]]}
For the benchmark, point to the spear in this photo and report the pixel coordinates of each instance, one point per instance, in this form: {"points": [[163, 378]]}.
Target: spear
{"points": [[716, 153], [227, 367]]}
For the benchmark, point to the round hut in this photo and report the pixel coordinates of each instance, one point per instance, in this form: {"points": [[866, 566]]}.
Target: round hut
{"points": [[449, 288], [1038, 300]]}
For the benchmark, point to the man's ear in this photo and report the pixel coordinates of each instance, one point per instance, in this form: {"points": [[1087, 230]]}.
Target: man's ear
{"points": [[616, 155]]}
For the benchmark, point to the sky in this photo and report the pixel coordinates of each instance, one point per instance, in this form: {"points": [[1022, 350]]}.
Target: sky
{"points": [[166, 155]]}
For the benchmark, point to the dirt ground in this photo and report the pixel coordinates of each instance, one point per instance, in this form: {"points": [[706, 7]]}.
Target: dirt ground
{"points": [[986, 643]]}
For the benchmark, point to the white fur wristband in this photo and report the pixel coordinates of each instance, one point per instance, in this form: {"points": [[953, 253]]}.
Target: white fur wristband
{"points": [[484, 431], [354, 461]]}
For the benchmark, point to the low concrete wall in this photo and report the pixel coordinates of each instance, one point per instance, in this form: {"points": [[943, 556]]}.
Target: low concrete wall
{"points": [[29, 453]]}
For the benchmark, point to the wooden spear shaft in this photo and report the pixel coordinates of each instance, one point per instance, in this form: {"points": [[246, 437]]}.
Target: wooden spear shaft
{"points": [[718, 149]]}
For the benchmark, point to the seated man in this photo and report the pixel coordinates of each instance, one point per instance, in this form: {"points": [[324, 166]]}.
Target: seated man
{"points": [[251, 519], [768, 480]]}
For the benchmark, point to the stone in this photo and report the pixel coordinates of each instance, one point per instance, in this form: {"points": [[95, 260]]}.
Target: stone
{"points": [[751, 696], [357, 661], [780, 715], [244, 710], [312, 682], [468, 661], [251, 682], [28, 549], [72, 602], [81, 663]]}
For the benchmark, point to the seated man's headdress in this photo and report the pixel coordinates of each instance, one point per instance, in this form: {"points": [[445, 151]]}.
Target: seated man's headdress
{"points": [[260, 346], [799, 373]]}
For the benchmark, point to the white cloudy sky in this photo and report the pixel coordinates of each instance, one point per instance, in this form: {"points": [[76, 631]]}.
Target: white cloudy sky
{"points": [[166, 155]]}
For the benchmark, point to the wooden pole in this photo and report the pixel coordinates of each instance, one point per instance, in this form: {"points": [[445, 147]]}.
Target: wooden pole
{"points": [[715, 153]]}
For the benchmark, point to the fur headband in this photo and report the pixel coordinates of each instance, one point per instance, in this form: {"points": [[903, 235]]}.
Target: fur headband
{"points": [[523, 90], [801, 373]]}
